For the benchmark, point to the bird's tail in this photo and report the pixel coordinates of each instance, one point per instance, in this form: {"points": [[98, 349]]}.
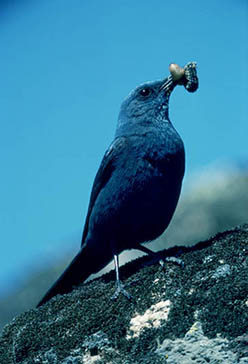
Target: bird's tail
{"points": [[86, 262]]}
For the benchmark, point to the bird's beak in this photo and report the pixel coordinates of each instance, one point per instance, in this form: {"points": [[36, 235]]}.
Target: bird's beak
{"points": [[168, 85]]}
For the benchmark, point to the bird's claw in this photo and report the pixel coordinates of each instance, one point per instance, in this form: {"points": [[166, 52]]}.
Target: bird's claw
{"points": [[158, 258], [120, 289], [174, 260]]}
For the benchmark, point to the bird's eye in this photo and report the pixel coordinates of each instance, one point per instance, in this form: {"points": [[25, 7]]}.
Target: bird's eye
{"points": [[145, 91]]}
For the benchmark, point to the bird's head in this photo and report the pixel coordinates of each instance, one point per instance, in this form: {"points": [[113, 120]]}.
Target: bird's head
{"points": [[148, 105], [145, 106]]}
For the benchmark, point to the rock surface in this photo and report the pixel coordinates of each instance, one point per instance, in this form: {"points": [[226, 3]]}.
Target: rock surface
{"points": [[196, 314]]}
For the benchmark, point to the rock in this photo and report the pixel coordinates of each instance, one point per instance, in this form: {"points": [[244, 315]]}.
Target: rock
{"points": [[195, 346], [195, 314]]}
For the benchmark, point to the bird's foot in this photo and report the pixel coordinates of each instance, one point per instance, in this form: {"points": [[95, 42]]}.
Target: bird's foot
{"points": [[174, 260], [157, 257], [120, 289]]}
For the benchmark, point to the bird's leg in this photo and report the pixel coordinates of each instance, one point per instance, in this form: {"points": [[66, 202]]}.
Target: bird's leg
{"points": [[119, 284], [157, 257]]}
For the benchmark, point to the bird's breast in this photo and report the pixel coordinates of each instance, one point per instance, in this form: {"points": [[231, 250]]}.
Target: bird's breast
{"points": [[163, 149]]}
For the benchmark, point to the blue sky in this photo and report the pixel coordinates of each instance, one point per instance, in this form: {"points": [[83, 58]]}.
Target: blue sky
{"points": [[66, 67]]}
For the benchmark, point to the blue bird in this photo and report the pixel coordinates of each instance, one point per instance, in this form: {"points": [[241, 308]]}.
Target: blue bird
{"points": [[137, 186]]}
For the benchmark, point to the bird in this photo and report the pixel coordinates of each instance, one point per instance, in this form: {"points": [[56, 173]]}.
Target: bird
{"points": [[138, 184]]}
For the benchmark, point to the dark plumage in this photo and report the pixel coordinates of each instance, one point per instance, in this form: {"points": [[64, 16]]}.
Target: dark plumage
{"points": [[136, 188]]}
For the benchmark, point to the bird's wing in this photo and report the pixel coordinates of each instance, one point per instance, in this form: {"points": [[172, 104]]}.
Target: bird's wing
{"points": [[103, 175]]}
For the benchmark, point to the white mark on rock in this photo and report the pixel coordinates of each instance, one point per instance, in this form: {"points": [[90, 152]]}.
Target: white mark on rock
{"points": [[151, 318]]}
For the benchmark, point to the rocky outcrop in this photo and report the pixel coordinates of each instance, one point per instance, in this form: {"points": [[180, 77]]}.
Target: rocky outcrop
{"points": [[196, 313]]}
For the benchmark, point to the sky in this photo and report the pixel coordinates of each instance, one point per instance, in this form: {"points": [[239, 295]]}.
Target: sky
{"points": [[65, 68]]}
